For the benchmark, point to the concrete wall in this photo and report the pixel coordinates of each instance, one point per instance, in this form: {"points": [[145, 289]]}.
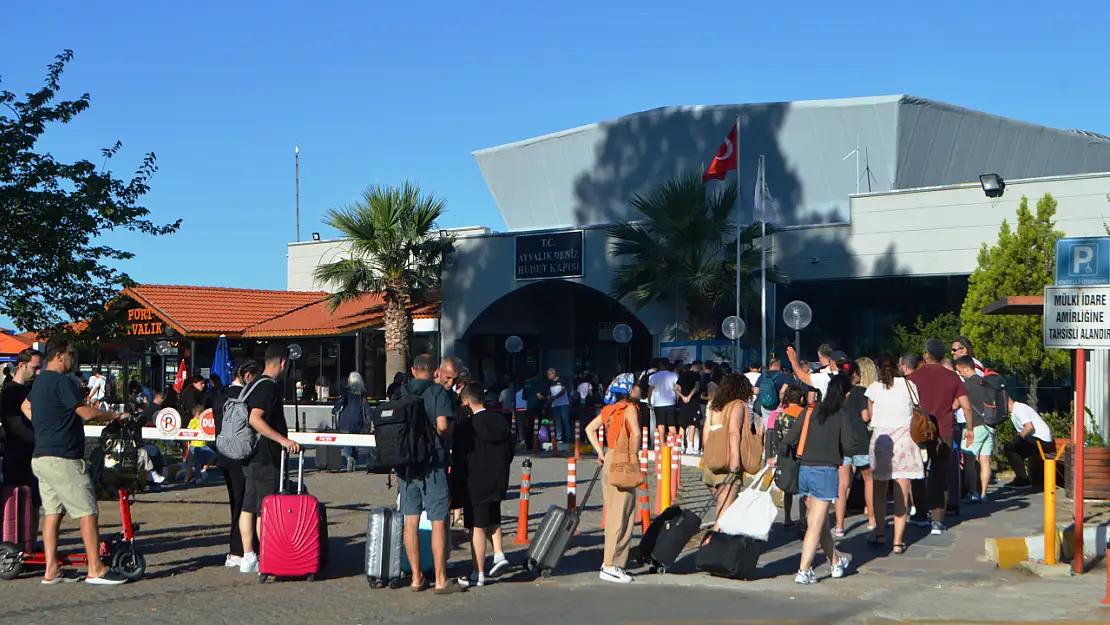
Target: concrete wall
{"points": [[482, 270], [933, 232]]}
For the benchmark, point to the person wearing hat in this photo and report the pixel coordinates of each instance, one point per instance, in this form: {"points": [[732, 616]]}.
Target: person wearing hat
{"points": [[620, 412]]}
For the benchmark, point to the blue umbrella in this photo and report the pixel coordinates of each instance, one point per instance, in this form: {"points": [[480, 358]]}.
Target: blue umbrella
{"points": [[221, 366]]}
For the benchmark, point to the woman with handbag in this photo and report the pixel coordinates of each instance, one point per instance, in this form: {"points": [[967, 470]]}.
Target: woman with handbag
{"points": [[821, 436], [620, 475], [894, 455], [725, 415]]}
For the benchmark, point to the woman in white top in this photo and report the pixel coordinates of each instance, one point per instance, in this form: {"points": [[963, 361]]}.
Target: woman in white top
{"points": [[894, 455]]}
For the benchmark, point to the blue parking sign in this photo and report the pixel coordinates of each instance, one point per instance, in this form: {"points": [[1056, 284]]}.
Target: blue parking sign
{"points": [[1083, 261]]}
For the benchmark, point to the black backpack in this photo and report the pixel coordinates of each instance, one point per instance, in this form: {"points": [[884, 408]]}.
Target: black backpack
{"points": [[402, 434], [996, 404]]}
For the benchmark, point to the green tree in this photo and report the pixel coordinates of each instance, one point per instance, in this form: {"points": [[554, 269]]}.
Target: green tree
{"points": [[395, 251], [685, 247], [53, 214], [911, 339], [1020, 263]]}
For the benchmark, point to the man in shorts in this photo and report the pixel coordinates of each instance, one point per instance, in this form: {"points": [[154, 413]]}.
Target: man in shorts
{"points": [[662, 397], [984, 437], [263, 470], [57, 411], [425, 489]]}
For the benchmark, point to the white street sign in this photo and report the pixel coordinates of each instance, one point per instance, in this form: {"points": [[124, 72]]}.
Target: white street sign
{"points": [[1077, 317]]}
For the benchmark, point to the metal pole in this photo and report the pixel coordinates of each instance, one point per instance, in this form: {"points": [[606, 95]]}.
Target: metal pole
{"points": [[297, 186], [763, 264], [798, 342], [736, 353], [1080, 436]]}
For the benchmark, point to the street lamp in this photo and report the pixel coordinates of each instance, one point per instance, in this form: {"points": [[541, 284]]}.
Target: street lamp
{"points": [[797, 316], [295, 354], [733, 328], [622, 333]]}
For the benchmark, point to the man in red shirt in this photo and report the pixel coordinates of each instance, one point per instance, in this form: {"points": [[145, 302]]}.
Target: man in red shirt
{"points": [[940, 391]]}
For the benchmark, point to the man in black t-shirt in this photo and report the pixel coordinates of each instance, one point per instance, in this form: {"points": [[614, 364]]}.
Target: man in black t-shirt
{"points": [[19, 446], [267, 418], [689, 405], [56, 408]]}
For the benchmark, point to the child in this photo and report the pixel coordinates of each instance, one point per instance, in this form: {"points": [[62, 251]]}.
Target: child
{"points": [[199, 452], [793, 400], [482, 456]]}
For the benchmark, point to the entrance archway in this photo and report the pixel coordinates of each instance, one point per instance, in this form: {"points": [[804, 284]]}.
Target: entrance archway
{"points": [[565, 325]]}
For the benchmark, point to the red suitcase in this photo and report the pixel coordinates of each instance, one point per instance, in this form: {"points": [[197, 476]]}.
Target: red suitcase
{"points": [[293, 534], [16, 505]]}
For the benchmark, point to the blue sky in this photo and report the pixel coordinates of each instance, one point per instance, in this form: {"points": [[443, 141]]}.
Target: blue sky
{"points": [[377, 92]]}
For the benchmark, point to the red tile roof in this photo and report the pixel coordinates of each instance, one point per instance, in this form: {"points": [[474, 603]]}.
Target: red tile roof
{"points": [[317, 319], [212, 311], [10, 344]]}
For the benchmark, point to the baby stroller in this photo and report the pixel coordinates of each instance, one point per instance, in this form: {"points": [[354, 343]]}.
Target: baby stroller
{"points": [[115, 466]]}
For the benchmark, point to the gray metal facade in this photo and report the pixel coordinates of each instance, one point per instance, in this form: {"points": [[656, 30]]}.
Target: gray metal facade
{"points": [[585, 176]]}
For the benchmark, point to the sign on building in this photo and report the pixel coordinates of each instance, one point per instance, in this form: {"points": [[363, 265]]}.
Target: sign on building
{"points": [[1083, 261], [550, 255], [1077, 317]]}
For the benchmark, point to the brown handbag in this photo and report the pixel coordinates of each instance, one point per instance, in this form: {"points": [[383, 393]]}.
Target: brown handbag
{"points": [[624, 467], [923, 427], [751, 446], [716, 459]]}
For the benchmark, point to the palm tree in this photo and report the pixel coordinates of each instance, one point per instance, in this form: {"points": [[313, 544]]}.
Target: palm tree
{"points": [[685, 247], [394, 253]]}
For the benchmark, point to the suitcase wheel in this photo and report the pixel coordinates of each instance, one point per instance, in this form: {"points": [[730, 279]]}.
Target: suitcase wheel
{"points": [[263, 578], [311, 577], [395, 584], [545, 573]]}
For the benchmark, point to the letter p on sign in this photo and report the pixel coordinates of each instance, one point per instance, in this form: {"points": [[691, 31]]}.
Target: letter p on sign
{"points": [[1084, 261]]}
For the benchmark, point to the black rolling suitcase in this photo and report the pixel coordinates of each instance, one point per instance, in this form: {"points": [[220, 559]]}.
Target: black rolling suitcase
{"points": [[734, 557], [668, 534], [330, 457], [554, 534]]}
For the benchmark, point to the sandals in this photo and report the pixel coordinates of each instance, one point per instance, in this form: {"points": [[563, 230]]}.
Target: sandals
{"points": [[899, 549], [876, 540]]}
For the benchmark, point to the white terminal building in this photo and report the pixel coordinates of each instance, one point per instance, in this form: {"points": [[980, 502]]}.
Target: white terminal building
{"points": [[865, 250]]}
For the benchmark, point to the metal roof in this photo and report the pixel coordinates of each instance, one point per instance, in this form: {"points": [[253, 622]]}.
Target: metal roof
{"points": [[585, 176]]}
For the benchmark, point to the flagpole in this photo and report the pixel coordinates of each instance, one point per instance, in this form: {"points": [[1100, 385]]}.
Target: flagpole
{"points": [[763, 258], [736, 353]]}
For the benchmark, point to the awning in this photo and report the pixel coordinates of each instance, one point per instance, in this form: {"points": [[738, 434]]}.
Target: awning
{"points": [[1016, 305]]}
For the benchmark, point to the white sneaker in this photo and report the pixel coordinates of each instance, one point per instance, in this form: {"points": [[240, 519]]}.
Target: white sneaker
{"points": [[233, 561], [499, 566], [615, 574], [157, 477], [840, 567], [805, 577], [472, 581], [249, 563]]}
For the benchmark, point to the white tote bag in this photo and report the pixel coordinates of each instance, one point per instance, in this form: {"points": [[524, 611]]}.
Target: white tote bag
{"points": [[752, 514]]}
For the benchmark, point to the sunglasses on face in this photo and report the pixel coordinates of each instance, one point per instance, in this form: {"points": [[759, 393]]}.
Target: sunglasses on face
{"points": [[957, 348]]}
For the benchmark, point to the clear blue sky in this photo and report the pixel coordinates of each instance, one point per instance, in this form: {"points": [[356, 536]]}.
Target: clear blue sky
{"points": [[376, 92]]}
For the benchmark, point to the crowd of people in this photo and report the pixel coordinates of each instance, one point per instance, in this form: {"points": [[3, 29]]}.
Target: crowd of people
{"points": [[831, 419]]}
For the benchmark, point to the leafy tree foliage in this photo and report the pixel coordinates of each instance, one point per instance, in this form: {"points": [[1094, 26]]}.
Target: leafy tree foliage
{"points": [[911, 339], [1020, 263], [54, 266]]}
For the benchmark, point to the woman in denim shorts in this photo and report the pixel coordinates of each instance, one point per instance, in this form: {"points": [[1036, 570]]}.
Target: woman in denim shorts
{"points": [[822, 436]]}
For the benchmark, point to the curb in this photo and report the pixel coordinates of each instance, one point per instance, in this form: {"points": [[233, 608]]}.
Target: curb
{"points": [[1010, 553], [1094, 541]]}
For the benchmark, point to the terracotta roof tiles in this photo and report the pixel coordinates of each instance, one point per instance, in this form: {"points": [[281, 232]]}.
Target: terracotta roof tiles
{"points": [[217, 310]]}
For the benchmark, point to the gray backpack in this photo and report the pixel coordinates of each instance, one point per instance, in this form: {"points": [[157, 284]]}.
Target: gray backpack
{"points": [[237, 440]]}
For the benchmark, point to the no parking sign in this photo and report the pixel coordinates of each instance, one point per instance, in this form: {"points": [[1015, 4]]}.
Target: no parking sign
{"points": [[168, 422]]}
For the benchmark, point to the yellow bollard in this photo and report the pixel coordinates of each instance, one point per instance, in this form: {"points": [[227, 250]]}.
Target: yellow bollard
{"points": [[1049, 506], [665, 481]]}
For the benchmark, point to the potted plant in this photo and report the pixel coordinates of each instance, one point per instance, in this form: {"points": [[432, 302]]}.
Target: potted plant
{"points": [[1096, 466]]}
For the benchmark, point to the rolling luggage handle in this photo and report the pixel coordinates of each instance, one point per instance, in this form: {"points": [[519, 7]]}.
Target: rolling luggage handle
{"points": [[300, 473], [590, 488]]}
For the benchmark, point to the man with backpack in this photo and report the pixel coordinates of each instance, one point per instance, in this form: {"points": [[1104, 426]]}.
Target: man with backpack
{"points": [[986, 395], [266, 418], [412, 433]]}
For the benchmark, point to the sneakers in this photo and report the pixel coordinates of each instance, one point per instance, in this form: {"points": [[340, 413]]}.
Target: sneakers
{"points": [[474, 581], [156, 477], [615, 574], [805, 577], [837, 533], [233, 561], [499, 566], [249, 563], [938, 528], [972, 498], [840, 567]]}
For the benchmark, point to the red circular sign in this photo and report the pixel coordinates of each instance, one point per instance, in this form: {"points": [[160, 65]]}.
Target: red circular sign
{"points": [[208, 423]]}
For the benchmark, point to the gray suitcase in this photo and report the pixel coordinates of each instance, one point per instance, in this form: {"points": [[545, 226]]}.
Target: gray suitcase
{"points": [[554, 534], [385, 548]]}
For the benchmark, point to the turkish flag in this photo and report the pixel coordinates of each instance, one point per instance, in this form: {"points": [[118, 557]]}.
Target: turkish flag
{"points": [[179, 381], [725, 161]]}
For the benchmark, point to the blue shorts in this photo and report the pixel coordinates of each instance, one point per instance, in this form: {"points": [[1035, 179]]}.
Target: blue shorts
{"points": [[860, 462], [429, 493], [818, 482]]}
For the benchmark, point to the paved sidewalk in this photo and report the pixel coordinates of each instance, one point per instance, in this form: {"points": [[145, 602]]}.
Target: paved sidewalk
{"points": [[183, 536]]}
